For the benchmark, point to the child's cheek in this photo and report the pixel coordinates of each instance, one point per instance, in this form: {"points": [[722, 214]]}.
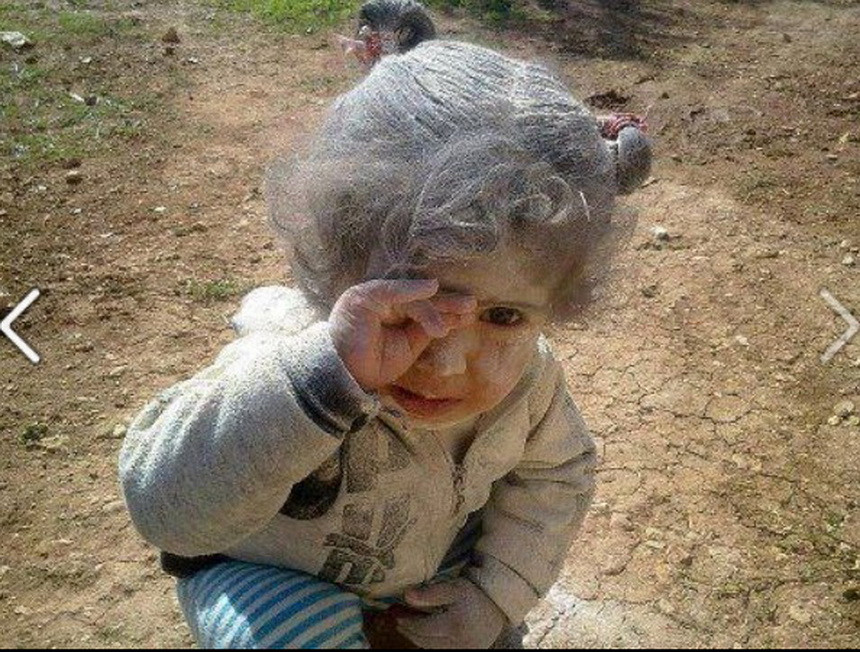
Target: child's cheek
{"points": [[501, 363]]}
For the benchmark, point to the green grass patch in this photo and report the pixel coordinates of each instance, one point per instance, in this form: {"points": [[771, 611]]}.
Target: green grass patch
{"points": [[209, 292], [33, 434], [296, 15], [41, 122]]}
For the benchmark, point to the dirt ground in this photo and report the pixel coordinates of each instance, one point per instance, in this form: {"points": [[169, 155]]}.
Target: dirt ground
{"points": [[727, 511]]}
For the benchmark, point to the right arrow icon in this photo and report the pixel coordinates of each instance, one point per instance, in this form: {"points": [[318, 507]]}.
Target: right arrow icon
{"points": [[6, 327], [853, 326]]}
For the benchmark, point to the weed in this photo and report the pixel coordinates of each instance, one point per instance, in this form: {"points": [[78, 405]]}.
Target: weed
{"points": [[208, 292], [33, 434], [296, 15]]}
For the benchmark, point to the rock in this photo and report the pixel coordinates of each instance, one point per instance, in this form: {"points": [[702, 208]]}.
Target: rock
{"points": [[86, 60], [119, 431], [3, 571], [660, 233], [650, 291], [114, 507], [116, 372], [160, 209], [799, 615], [74, 177], [848, 260], [786, 37], [53, 444], [21, 610], [834, 420], [654, 545], [843, 409], [620, 521], [845, 244], [853, 420], [832, 157], [171, 36], [742, 340], [16, 40]]}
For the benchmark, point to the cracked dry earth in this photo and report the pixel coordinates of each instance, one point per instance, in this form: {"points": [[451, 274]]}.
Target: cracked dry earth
{"points": [[727, 510]]}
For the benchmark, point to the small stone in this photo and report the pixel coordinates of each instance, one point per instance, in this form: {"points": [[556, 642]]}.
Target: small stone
{"points": [[3, 571], [660, 233], [22, 611], [853, 421], [834, 420], [53, 444], [742, 340], [193, 60], [119, 431], [843, 409], [16, 40], [620, 521], [650, 291], [117, 371], [655, 545], [848, 260], [74, 177], [799, 615], [832, 157], [160, 209], [86, 60], [786, 37], [171, 36], [845, 244], [114, 507]]}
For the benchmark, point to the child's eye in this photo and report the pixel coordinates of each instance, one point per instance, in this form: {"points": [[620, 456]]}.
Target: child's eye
{"points": [[502, 316]]}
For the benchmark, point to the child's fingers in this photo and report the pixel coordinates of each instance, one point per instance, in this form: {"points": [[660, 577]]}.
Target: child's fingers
{"points": [[435, 595], [426, 314], [456, 303], [383, 294]]}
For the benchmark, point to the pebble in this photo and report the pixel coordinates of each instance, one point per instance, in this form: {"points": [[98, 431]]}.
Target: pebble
{"points": [[22, 611], [74, 177], [742, 340], [843, 409], [119, 431], [834, 420], [15, 40], [853, 420], [660, 233], [620, 521], [160, 209], [114, 507], [4, 570], [650, 291], [798, 614], [848, 260]]}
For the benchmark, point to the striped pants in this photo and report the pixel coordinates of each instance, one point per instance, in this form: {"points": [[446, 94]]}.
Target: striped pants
{"points": [[248, 606]]}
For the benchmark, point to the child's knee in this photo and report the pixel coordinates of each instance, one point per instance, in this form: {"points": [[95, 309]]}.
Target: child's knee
{"points": [[248, 606]]}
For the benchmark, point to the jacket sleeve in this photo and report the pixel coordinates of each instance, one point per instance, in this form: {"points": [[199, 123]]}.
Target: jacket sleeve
{"points": [[213, 459], [534, 512]]}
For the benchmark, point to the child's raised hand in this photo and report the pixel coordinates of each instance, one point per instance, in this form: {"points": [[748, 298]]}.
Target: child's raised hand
{"points": [[468, 619], [380, 327]]}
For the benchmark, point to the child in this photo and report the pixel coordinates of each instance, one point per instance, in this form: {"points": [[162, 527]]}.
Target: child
{"points": [[398, 429]]}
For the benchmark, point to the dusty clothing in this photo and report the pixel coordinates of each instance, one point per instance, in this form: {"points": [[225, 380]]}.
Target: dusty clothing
{"points": [[275, 455]]}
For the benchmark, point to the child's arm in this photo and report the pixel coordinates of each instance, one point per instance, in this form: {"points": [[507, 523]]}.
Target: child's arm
{"points": [[212, 460], [534, 512]]}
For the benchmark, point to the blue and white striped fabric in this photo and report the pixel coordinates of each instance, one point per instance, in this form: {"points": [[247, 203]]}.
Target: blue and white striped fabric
{"points": [[247, 606]]}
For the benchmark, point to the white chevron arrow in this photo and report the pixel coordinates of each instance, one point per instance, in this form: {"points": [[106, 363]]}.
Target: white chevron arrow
{"points": [[6, 326], [853, 326]]}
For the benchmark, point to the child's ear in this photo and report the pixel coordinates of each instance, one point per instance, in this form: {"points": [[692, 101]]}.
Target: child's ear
{"points": [[632, 150]]}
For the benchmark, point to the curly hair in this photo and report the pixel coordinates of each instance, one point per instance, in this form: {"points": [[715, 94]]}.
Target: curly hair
{"points": [[442, 154]]}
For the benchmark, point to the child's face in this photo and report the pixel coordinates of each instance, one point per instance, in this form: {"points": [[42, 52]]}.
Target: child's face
{"points": [[473, 368]]}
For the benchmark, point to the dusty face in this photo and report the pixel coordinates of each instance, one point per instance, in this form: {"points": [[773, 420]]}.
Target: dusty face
{"points": [[472, 369]]}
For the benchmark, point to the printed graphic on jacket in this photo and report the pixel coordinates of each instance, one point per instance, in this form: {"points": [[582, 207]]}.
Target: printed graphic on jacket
{"points": [[364, 549]]}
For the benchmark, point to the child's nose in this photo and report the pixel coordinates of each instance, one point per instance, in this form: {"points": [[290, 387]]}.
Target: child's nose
{"points": [[447, 356]]}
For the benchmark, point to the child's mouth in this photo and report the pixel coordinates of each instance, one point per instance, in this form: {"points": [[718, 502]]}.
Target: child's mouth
{"points": [[420, 405]]}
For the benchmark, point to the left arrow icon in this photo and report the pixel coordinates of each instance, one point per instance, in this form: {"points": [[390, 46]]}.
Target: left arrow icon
{"points": [[6, 326]]}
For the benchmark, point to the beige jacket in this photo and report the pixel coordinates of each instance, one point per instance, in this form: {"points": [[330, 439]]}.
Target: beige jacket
{"points": [[274, 455]]}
